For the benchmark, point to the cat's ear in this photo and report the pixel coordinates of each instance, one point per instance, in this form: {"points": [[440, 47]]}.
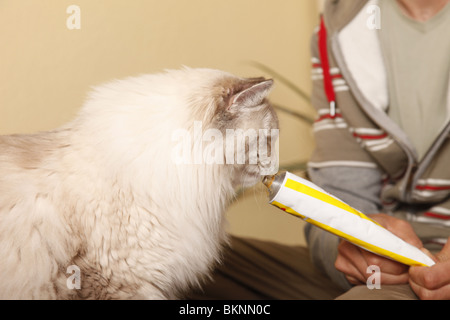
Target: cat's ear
{"points": [[252, 95]]}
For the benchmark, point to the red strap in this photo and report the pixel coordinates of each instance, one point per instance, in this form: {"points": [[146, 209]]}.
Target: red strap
{"points": [[327, 81]]}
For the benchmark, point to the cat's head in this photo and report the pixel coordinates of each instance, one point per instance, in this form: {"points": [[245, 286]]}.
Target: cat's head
{"points": [[201, 118], [232, 125]]}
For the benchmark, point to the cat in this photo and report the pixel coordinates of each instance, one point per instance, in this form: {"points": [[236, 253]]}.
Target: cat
{"points": [[98, 208]]}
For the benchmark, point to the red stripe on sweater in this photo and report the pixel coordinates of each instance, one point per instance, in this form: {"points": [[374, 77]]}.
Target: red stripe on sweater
{"points": [[323, 51], [328, 116], [436, 215], [432, 188], [369, 137]]}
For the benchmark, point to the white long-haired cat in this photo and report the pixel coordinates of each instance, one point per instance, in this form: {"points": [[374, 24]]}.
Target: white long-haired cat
{"points": [[99, 209]]}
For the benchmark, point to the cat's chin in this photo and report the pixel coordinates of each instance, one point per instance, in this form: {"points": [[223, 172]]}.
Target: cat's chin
{"points": [[250, 177]]}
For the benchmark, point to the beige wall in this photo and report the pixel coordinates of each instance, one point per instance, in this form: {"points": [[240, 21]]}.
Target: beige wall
{"points": [[46, 68]]}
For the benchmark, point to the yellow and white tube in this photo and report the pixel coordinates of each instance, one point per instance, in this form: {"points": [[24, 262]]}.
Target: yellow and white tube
{"points": [[306, 200]]}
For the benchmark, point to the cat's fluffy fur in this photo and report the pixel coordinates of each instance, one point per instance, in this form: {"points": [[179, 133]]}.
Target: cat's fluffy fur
{"points": [[102, 193]]}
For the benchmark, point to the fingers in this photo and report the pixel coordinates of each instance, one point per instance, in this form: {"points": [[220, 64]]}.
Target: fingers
{"points": [[351, 262], [392, 272], [354, 263], [432, 277], [442, 293], [433, 283]]}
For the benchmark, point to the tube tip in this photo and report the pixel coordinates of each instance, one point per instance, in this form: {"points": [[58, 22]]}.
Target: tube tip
{"points": [[268, 180]]}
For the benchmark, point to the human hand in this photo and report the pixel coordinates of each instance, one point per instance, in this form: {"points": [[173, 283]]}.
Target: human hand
{"points": [[354, 261], [433, 283]]}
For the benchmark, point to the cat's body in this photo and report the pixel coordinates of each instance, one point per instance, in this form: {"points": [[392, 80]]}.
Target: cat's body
{"points": [[103, 196]]}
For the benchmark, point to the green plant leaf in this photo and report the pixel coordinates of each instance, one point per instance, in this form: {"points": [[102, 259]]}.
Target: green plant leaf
{"points": [[282, 79], [296, 114]]}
